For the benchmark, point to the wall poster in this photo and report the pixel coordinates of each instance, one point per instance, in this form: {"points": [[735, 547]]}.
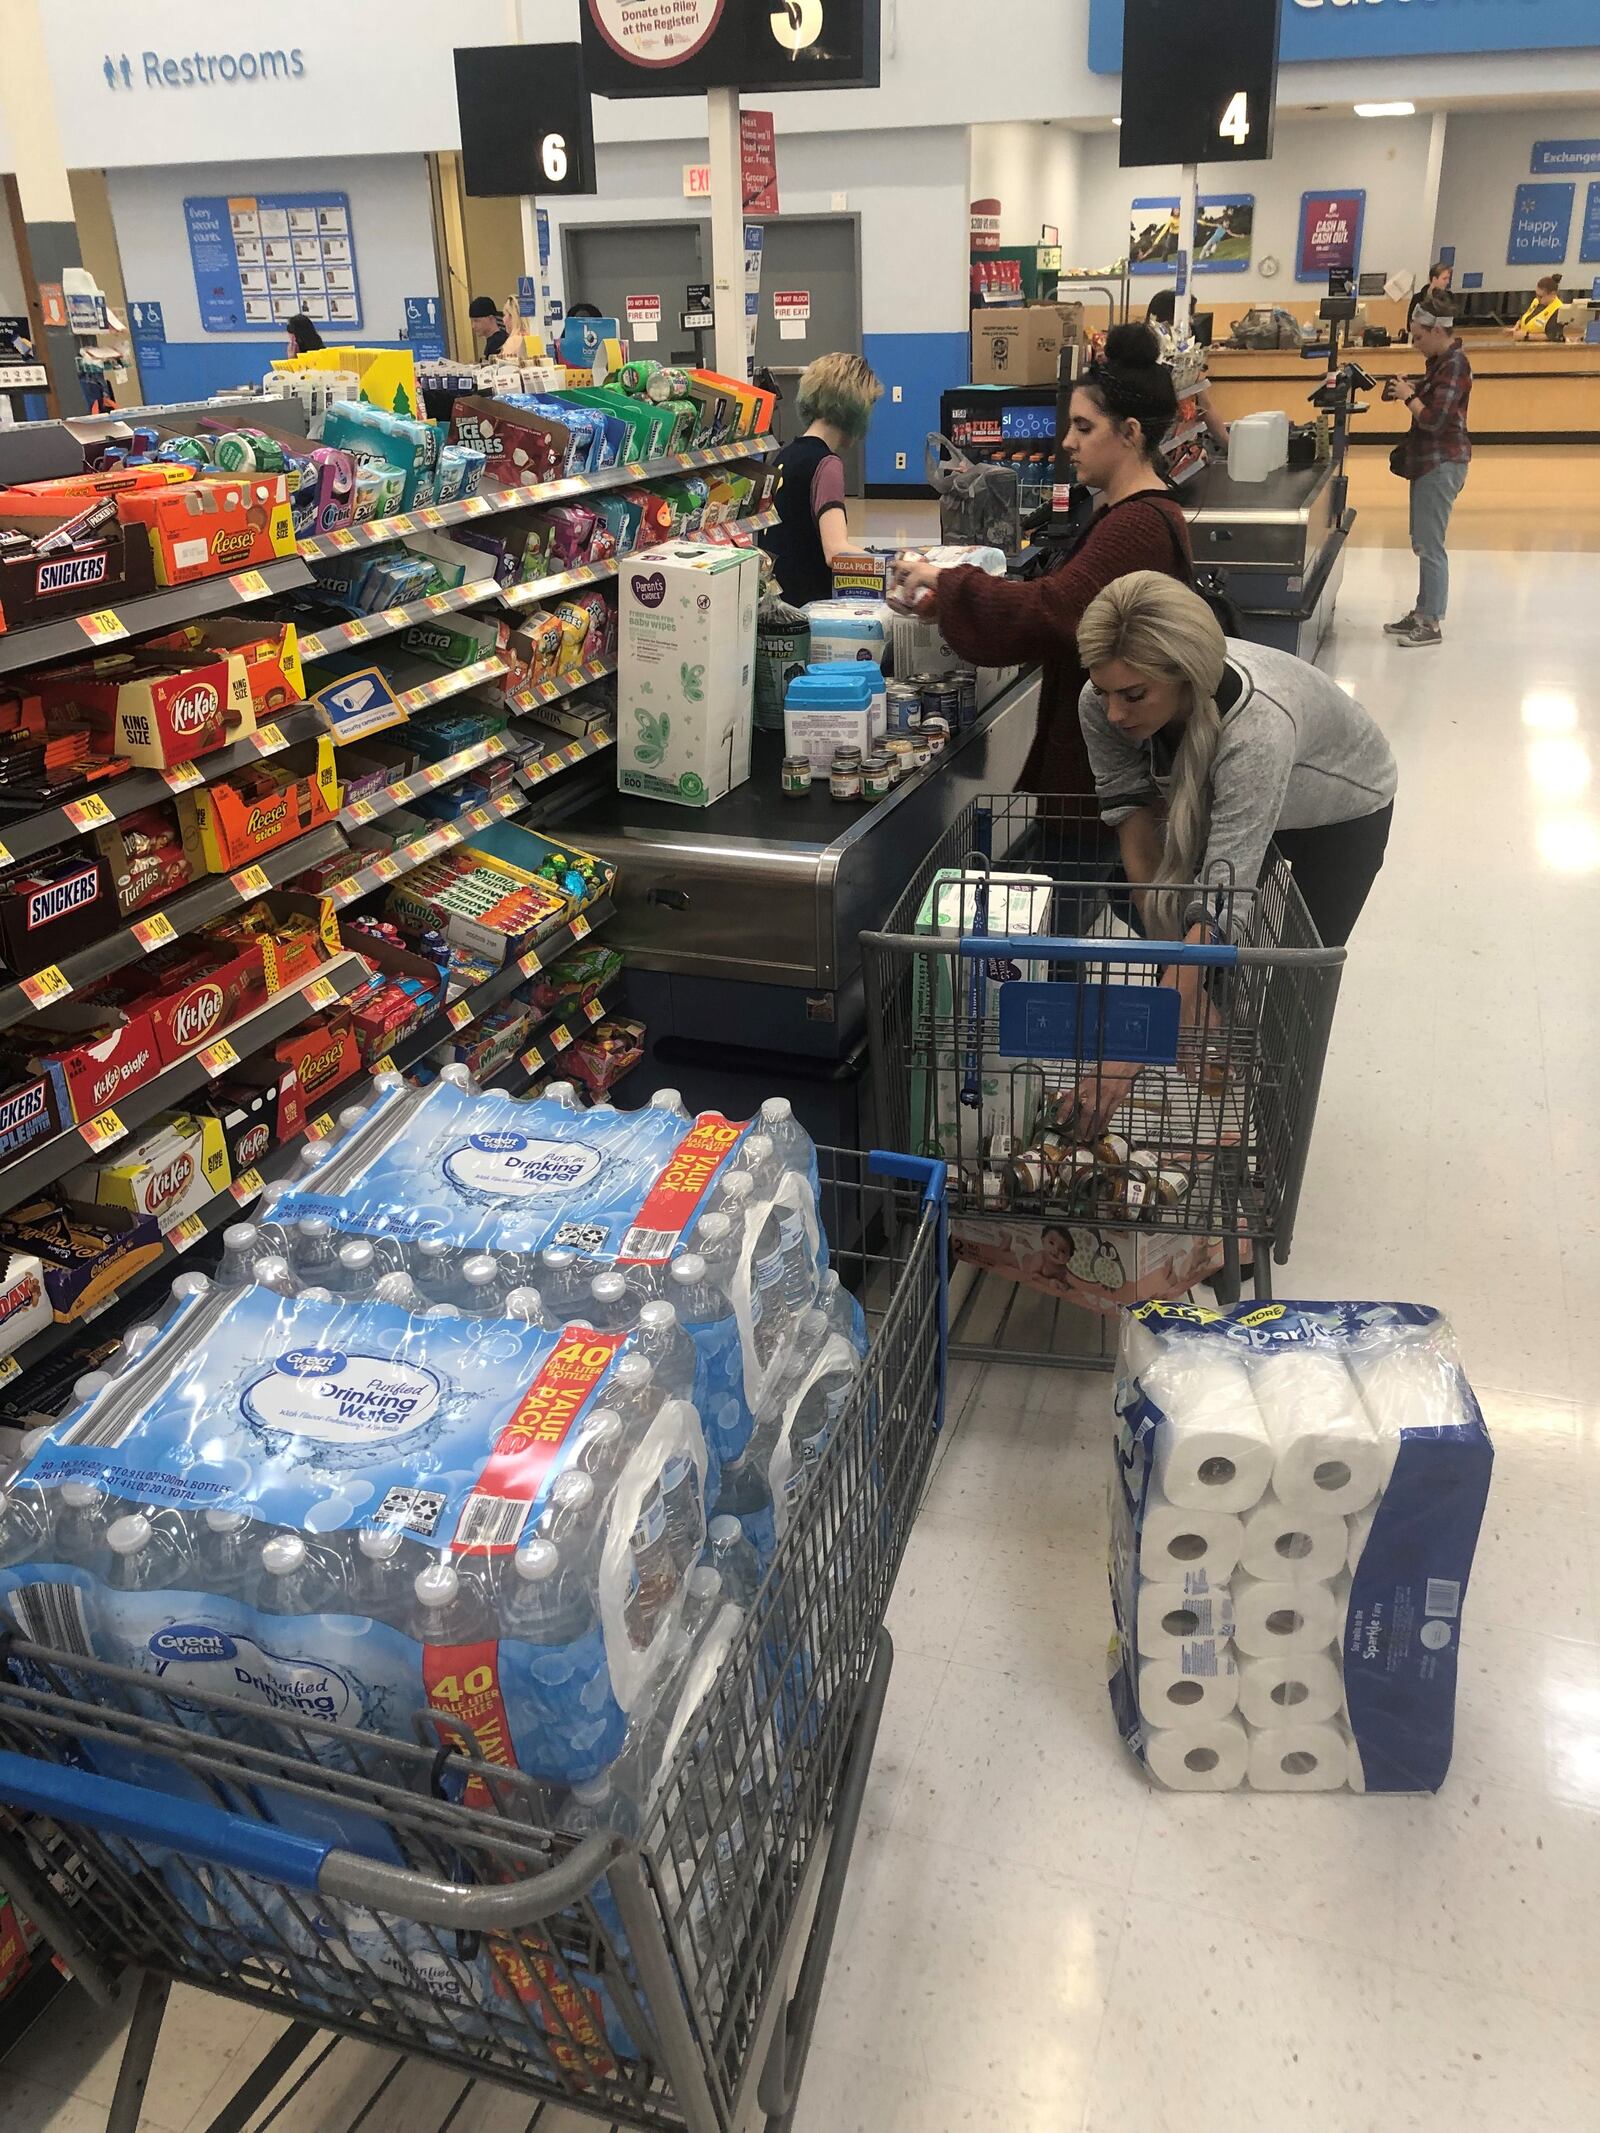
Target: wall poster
{"points": [[260, 259], [1330, 234], [1224, 231]]}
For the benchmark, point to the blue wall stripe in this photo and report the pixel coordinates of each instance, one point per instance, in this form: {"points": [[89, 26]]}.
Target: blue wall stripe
{"points": [[923, 365]]}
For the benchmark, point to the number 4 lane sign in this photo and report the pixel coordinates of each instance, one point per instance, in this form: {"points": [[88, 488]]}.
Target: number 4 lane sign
{"points": [[1235, 124]]}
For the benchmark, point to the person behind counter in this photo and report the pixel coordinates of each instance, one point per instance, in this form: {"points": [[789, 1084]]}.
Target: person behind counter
{"points": [[1161, 315], [1436, 456], [1434, 295], [1542, 319], [488, 327], [1120, 411], [835, 399], [304, 338], [1208, 750]]}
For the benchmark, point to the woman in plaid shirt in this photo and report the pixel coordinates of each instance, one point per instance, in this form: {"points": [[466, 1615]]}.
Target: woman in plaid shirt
{"points": [[1437, 452]]}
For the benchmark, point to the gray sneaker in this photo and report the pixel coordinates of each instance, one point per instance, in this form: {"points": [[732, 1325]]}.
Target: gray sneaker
{"points": [[1402, 628], [1420, 632]]}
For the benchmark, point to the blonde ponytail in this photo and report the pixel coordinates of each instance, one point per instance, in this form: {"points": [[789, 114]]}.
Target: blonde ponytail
{"points": [[1168, 633]]}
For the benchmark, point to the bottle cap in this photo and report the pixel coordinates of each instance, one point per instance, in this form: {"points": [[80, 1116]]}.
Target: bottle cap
{"points": [[357, 1255], [126, 1536], [436, 1586], [283, 1555], [536, 1560], [659, 1317], [757, 1150], [239, 1236], [608, 1288], [689, 1271], [441, 1311], [481, 1270], [776, 1110], [572, 1491], [704, 1582], [380, 1544], [227, 1521], [634, 1372], [82, 1495], [433, 1248], [738, 1186], [317, 1294], [711, 1229], [187, 1285], [314, 1228], [667, 1100], [725, 1530], [593, 1792], [525, 1303]]}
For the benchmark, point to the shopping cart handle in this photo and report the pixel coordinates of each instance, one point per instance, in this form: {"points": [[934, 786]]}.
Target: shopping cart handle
{"points": [[197, 1831], [1045, 948], [920, 1170]]}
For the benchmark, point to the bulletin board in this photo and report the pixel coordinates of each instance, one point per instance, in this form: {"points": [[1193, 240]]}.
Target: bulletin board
{"points": [[260, 259]]}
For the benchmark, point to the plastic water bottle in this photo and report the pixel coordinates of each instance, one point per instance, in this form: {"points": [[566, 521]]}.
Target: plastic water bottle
{"points": [[315, 1254], [602, 1446], [527, 1304], [792, 1146], [541, 1600], [448, 1608], [384, 1566], [841, 1307], [611, 1306], [680, 1501], [137, 1341], [771, 1314], [669, 1350], [459, 1074], [273, 1271], [734, 1196], [83, 1512], [570, 1517], [734, 1559], [632, 1390], [818, 1416], [24, 1522], [744, 1495], [226, 1554], [702, 1600], [670, 1100], [143, 1556], [480, 1285], [562, 1093], [89, 1384], [357, 1270], [241, 1248], [717, 1238], [297, 1578], [563, 1281], [600, 1803], [433, 1269]]}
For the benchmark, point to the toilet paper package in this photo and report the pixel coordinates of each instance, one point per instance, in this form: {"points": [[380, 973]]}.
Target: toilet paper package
{"points": [[1297, 1495]]}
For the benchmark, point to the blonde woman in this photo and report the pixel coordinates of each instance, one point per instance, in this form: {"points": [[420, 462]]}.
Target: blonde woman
{"points": [[835, 400], [1206, 750]]}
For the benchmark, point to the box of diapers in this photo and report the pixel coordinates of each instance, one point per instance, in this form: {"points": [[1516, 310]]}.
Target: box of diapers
{"points": [[1295, 1502]]}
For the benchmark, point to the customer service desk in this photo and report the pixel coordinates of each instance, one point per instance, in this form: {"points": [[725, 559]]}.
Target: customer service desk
{"points": [[1523, 392]]}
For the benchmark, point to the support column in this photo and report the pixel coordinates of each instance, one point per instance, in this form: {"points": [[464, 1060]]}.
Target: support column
{"points": [[1188, 203], [46, 234], [727, 232]]}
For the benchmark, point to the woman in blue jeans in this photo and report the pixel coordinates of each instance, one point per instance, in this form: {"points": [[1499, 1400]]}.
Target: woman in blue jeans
{"points": [[1438, 451]]}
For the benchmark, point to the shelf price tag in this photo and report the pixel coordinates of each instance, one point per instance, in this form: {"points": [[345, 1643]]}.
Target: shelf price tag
{"points": [[402, 522], [343, 537], [573, 751], [154, 931], [531, 963], [400, 791], [5, 855], [360, 811], [436, 774], [320, 1128], [46, 985], [100, 1132], [507, 803], [250, 585], [477, 818], [560, 1037], [385, 1065], [595, 1009], [431, 515], [475, 507], [581, 928], [88, 813], [356, 632], [247, 1185], [460, 1015], [104, 627], [250, 881], [437, 603], [311, 646], [319, 992], [217, 1058], [397, 618], [182, 777], [387, 867], [11, 1368], [189, 1231], [267, 740], [537, 771]]}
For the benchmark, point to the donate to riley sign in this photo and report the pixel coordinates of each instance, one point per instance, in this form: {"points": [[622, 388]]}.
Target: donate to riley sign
{"points": [[1391, 29]]}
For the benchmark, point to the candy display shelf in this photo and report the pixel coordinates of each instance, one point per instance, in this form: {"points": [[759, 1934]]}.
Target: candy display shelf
{"points": [[362, 629], [213, 897], [378, 873], [532, 693], [72, 635], [43, 1164], [533, 590], [428, 518]]}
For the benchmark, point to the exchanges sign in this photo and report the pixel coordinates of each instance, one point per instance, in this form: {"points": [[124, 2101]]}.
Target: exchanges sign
{"points": [[683, 47], [1391, 29]]}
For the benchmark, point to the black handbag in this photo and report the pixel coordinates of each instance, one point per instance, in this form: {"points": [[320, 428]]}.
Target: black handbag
{"points": [[1400, 459]]}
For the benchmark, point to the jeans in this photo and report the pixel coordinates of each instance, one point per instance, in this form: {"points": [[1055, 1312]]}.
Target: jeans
{"points": [[1433, 498]]}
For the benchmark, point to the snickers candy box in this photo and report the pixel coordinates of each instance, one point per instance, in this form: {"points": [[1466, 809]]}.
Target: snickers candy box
{"points": [[53, 905], [31, 1108]]}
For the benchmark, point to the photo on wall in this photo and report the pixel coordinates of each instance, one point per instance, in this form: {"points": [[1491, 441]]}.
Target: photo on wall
{"points": [[1153, 236], [1224, 232]]}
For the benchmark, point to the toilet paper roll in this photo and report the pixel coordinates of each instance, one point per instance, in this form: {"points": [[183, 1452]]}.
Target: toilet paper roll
{"points": [[1274, 1615], [1170, 1695], [1213, 1452], [1299, 1759], [1291, 1688], [1208, 1758], [1406, 1385], [1303, 1546], [1326, 1451], [1169, 1619], [1357, 1529], [1182, 1544]]}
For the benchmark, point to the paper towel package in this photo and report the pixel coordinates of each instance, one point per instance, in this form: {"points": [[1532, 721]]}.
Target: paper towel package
{"points": [[1297, 1498]]}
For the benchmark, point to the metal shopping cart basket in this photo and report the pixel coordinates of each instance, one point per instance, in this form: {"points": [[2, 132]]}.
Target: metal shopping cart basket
{"points": [[416, 1895], [1109, 1136]]}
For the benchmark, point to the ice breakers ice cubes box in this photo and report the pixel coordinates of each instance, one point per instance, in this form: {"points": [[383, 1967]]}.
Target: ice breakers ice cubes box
{"points": [[1297, 1496], [560, 1196], [340, 1512]]}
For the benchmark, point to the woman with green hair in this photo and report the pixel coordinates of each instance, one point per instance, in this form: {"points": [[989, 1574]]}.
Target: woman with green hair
{"points": [[835, 401]]}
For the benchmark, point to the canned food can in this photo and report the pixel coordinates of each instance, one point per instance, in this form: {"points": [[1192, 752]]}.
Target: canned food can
{"points": [[941, 699], [993, 1190], [796, 773], [903, 703], [967, 695]]}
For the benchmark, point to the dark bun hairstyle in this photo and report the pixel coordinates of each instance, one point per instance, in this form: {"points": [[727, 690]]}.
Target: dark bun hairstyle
{"points": [[1132, 384]]}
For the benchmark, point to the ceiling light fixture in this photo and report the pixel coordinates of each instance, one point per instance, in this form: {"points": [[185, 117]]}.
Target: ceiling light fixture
{"points": [[1385, 111]]}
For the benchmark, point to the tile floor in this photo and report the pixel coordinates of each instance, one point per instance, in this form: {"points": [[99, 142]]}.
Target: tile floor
{"points": [[1033, 1941]]}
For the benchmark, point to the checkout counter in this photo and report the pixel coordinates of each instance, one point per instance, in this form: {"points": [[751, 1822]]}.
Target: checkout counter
{"points": [[1275, 547], [741, 922]]}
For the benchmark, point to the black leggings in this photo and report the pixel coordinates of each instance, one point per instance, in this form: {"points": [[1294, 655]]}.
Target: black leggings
{"points": [[1334, 868]]}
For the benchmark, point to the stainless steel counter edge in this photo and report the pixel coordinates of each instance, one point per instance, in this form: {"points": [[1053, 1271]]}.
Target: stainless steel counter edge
{"points": [[783, 909]]}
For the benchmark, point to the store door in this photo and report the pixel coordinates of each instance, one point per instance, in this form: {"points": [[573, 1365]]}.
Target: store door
{"points": [[607, 262], [820, 254]]}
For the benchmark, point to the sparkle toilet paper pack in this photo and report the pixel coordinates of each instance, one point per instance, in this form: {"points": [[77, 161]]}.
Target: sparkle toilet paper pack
{"points": [[1297, 1497]]}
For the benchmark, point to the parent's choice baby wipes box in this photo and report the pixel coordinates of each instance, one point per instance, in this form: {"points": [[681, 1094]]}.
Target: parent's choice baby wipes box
{"points": [[686, 644]]}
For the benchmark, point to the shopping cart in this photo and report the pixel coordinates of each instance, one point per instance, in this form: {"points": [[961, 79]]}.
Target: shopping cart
{"points": [[416, 1895], [1089, 1113]]}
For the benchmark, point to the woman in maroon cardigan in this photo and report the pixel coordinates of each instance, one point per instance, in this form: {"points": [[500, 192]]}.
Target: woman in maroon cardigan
{"points": [[1119, 414]]}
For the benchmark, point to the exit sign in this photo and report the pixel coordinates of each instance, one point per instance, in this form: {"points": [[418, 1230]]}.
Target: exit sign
{"points": [[697, 181]]}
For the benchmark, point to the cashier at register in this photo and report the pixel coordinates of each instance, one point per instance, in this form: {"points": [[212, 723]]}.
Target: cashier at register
{"points": [[835, 399]]}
